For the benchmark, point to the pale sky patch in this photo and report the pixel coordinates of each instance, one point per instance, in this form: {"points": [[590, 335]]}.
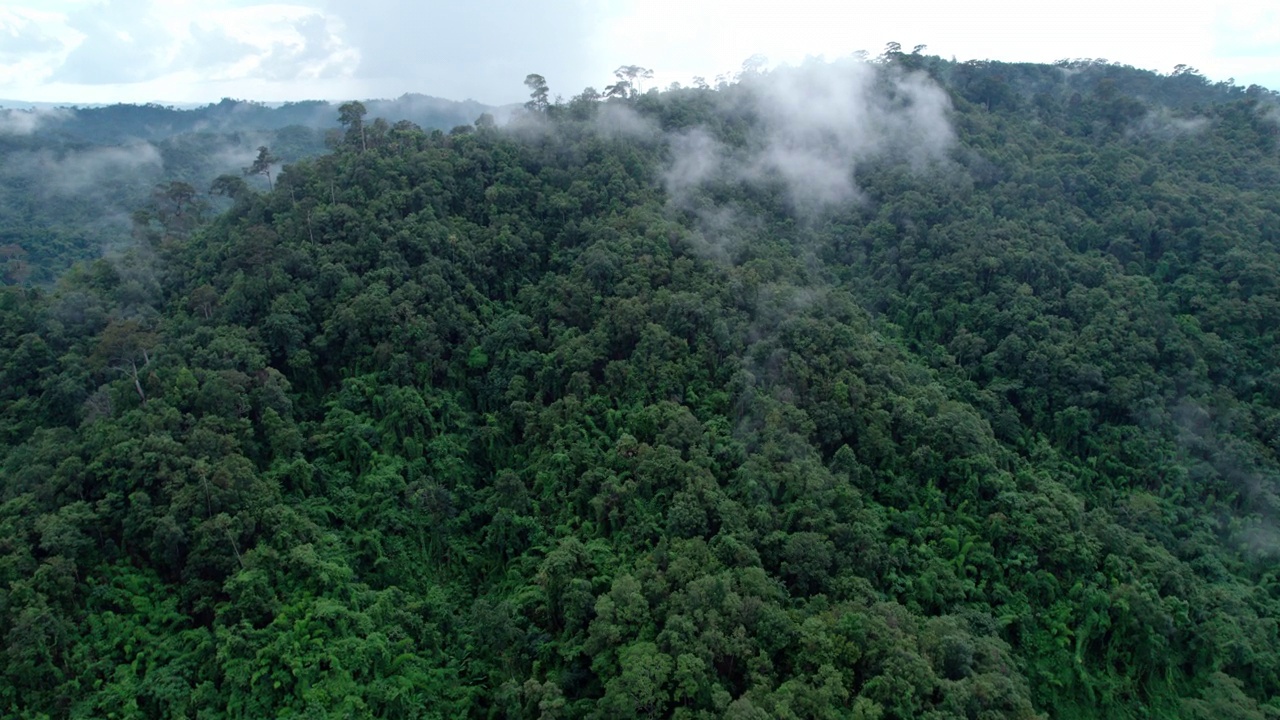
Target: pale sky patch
{"points": [[95, 51], [719, 34]]}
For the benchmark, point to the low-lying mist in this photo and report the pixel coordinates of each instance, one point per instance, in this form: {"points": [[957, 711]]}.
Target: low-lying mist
{"points": [[814, 125]]}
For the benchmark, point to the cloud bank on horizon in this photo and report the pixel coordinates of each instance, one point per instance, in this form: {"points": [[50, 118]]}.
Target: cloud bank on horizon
{"points": [[102, 51]]}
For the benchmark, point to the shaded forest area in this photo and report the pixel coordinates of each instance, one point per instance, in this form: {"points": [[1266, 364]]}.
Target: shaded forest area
{"points": [[892, 389]]}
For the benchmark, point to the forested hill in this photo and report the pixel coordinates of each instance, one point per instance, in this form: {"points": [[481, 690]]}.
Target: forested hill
{"points": [[71, 179], [121, 123], [891, 389]]}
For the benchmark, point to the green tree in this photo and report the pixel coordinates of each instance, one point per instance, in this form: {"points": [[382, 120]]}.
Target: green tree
{"points": [[261, 166], [351, 118], [538, 94]]}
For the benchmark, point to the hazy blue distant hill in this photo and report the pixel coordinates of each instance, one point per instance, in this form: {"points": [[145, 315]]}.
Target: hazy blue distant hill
{"points": [[71, 178]]}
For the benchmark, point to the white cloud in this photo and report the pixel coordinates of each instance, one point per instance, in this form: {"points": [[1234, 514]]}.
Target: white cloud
{"points": [[817, 123], [463, 49], [189, 50], [121, 43], [74, 172], [1251, 30], [680, 39], [33, 43], [25, 122], [314, 51], [140, 50], [1162, 123]]}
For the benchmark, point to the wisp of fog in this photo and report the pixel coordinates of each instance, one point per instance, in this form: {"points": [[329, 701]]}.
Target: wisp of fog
{"points": [[816, 123]]}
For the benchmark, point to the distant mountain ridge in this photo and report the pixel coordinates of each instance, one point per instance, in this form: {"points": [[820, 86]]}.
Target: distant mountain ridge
{"points": [[151, 122]]}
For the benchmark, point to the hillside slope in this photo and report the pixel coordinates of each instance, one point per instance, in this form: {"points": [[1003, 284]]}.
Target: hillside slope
{"points": [[906, 389]]}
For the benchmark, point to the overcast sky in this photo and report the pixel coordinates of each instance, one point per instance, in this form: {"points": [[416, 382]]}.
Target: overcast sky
{"points": [[184, 51]]}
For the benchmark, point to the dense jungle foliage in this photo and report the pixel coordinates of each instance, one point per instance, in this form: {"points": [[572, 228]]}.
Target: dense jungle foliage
{"points": [[960, 400], [73, 179]]}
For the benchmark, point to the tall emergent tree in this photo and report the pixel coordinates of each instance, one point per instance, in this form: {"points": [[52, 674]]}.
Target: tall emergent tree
{"points": [[351, 117], [262, 165], [538, 93]]}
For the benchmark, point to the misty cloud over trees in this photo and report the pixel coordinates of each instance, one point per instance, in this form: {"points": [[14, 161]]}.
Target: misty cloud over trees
{"points": [[903, 388]]}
